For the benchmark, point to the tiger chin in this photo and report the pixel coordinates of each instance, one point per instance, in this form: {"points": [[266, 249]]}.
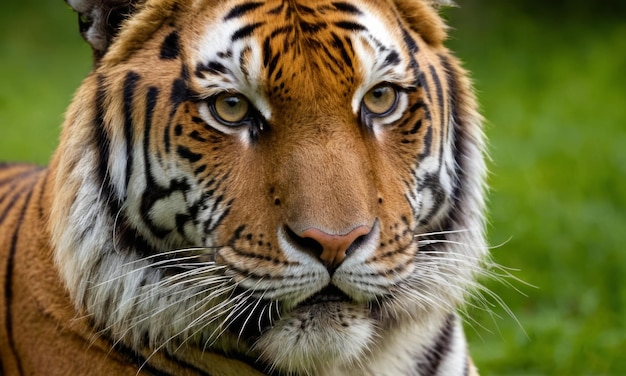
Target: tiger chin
{"points": [[280, 187]]}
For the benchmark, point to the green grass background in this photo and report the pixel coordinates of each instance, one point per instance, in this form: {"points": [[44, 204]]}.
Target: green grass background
{"points": [[551, 78]]}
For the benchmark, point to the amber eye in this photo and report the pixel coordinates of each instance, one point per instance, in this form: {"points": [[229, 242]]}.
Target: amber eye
{"points": [[381, 99], [230, 108]]}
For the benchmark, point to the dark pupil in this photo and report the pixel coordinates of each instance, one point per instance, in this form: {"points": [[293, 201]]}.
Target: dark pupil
{"points": [[232, 102], [378, 93]]}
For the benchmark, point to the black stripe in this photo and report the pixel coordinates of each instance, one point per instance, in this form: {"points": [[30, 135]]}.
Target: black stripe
{"points": [[415, 67], [42, 193], [212, 67], [170, 48], [13, 194], [240, 10], [338, 43], [428, 141], [408, 40], [272, 64], [439, 348], [423, 82], [277, 9], [8, 282], [181, 221], [416, 127], [103, 146], [153, 191], [312, 28], [166, 139], [197, 136], [130, 84], [445, 63], [102, 140], [185, 153], [237, 233], [431, 181], [461, 141], [443, 121], [179, 94], [303, 8], [23, 172], [210, 227], [242, 61], [267, 51], [281, 30], [417, 105], [133, 240], [245, 31], [151, 100], [12, 202], [418, 124], [439, 89], [9, 193], [351, 26], [392, 59], [332, 59], [346, 8]]}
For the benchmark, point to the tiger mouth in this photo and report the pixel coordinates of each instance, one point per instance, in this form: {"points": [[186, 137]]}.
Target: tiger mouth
{"points": [[329, 294], [253, 323]]}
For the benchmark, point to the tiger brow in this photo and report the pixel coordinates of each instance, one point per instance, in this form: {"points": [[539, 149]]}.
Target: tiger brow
{"points": [[241, 10], [346, 8]]}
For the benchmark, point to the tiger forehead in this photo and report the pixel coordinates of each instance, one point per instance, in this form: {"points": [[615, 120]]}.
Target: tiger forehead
{"points": [[269, 47]]}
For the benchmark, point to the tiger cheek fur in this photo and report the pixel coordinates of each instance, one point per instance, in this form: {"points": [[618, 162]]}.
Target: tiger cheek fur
{"points": [[296, 184]]}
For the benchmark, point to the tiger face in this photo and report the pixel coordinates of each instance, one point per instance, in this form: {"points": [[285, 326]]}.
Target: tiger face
{"points": [[296, 182]]}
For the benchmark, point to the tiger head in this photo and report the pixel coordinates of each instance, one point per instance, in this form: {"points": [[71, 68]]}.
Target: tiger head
{"points": [[298, 182]]}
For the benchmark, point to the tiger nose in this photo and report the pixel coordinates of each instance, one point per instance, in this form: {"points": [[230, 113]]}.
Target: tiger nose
{"points": [[334, 248]]}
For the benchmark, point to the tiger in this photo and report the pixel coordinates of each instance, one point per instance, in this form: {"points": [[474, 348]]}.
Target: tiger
{"points": [[242, 187]]}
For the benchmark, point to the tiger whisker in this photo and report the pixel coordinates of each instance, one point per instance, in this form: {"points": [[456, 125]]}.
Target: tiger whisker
{"points": [[446, 241], [479, 292], [146, 316], [445, 232], [187, 327], [166, 283], [243, 326], [214, 291], [203, 270], [218, 308], [162, 263], [176, 251], [117, 216], [177, 288], [226, 322]]}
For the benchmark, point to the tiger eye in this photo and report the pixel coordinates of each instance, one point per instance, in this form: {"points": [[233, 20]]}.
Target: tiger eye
{"points": [[231, 108], [380, 99]]}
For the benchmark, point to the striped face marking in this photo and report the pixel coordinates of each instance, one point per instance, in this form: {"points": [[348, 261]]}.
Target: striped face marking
{"points": [[328, 45]]}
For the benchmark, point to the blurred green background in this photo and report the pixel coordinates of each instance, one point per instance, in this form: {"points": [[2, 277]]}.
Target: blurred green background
{"points": [[551, 79]]}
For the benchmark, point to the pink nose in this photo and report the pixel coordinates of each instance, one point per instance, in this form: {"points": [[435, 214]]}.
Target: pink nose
{"points": [[334, 247]]}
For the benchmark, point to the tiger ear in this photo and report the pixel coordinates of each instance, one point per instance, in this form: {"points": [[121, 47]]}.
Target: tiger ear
{"points": [[100, 20], [423, 17]]}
